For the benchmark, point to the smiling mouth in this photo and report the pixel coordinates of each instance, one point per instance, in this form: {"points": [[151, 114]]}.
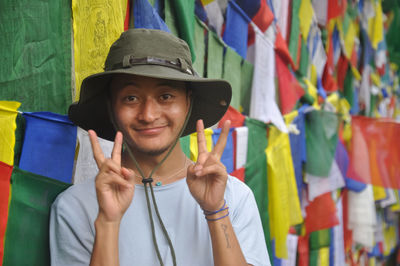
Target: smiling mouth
{"points": [[150, 130]]}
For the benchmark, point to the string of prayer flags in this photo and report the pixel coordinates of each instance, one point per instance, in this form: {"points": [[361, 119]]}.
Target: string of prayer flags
{"points": [[146, 16], [321, 213], [5, 189], [200, 47], [263, 106], [194, 150], [49, 145], [36, 54], [321, 139], [236, 29], [8, 116], [85, 165], [96, 25], [227, 157], [28, 218], [284, 208], [214, 56], [231, 73]]}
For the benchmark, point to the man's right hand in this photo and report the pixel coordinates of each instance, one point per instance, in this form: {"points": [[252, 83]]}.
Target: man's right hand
{"points": [[114, 183]]}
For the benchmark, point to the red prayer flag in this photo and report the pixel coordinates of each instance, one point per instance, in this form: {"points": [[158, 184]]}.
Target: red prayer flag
{"points": [[342, 67], [127, 15], [321, 213], [237, 119], [290, 90], [336, 8], [263, 18], [239, 173], [5, 176], [375, 152], [303, 250], [282, 49]]}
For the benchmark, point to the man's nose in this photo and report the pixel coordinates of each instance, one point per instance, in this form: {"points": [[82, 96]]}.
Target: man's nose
{"points": [[150, 110]]}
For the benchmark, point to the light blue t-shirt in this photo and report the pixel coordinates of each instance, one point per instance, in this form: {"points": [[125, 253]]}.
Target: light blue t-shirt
{"points": [[73, 214]]}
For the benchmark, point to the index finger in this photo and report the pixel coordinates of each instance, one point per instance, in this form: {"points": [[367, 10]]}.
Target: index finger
{"points": [[201, 138], [223, 137], [97, 151]]}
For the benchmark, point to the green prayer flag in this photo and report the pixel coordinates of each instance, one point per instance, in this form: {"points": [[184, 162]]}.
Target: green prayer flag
{"points": [[184, 20], [185, 145], [231, 73], [246, 83], [294, 37], [36, 54], [321, 139], [200, 47], [215, 56], [170, 17], [27, 235], [314, 255], [304, 59], [257, 138], [320, 239], [348, 87], [393, 37]]}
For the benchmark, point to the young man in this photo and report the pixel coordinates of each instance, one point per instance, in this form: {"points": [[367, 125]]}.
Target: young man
{"points": [[147, 97]]}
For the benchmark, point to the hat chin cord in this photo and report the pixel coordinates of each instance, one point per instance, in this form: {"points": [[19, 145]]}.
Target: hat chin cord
{"points": [[149, 180]]}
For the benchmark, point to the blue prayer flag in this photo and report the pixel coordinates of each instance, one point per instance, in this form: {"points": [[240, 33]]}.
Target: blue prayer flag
{"points": [[250, 7], [236, 29], [145, 16], [228, 154], [49, 145]]}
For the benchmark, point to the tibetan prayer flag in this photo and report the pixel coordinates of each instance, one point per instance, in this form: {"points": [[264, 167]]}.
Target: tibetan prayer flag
{"points": [[200, 47], [294, 39], [36, 54], [283, 203], [250, 7], [321, 139], [321, 213], [227, 157], [290, 90], [336, 8], [96, 25], [241, 135], [184, 17], [8, 116], [282, 50], [27, 235], [215, 17], [306, 13], [375, 152], [231, 73], [256, 179], [262, 19], [237, 119], [257, 138], [263, 105], [375, 25], [5, 177], [214, 56], [194, 150], [185, 145], [145, 16], [236, 29], [320, 239], [49, 145], [239, 173], [246, 78]]}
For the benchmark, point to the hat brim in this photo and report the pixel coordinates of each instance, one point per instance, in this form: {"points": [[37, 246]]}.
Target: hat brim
{"points": [[211, 98]]}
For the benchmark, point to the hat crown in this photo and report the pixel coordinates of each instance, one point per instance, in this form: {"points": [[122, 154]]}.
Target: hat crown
{"points": [[147, 43]]}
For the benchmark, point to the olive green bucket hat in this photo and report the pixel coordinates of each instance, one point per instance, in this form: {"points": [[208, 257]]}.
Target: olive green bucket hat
{"points": [[156, 54]]}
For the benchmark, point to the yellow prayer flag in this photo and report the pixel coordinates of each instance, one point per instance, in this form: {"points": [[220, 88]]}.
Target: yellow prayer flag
{"points": [[283, 201], [313, 75], [379, 193], [206, 2], [323, 256], [356, 74], [8, 115], [376, 79], [396, 207], [97, 24], [306, 13], [312, 90], [290, 117], [194, 150], [349, 39], [375, 26]]}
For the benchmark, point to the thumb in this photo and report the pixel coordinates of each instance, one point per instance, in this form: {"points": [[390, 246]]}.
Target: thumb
{"points": [[128, 174]]}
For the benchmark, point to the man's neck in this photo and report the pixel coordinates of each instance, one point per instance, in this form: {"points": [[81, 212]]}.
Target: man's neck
{"points": [[169, 171]]}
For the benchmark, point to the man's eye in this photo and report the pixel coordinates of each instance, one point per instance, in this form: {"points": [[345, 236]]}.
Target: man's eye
{"points": [[130, 98], [166, 97]]}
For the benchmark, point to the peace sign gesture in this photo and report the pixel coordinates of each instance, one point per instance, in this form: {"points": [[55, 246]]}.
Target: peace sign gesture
{"points": [[114, 186], [207, 178]]}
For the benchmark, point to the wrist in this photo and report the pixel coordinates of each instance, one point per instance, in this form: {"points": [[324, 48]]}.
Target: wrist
{"points": [[218, 214], [102, 222]]}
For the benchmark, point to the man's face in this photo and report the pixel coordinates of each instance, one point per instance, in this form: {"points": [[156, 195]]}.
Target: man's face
{"points": [[149, 111]]}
